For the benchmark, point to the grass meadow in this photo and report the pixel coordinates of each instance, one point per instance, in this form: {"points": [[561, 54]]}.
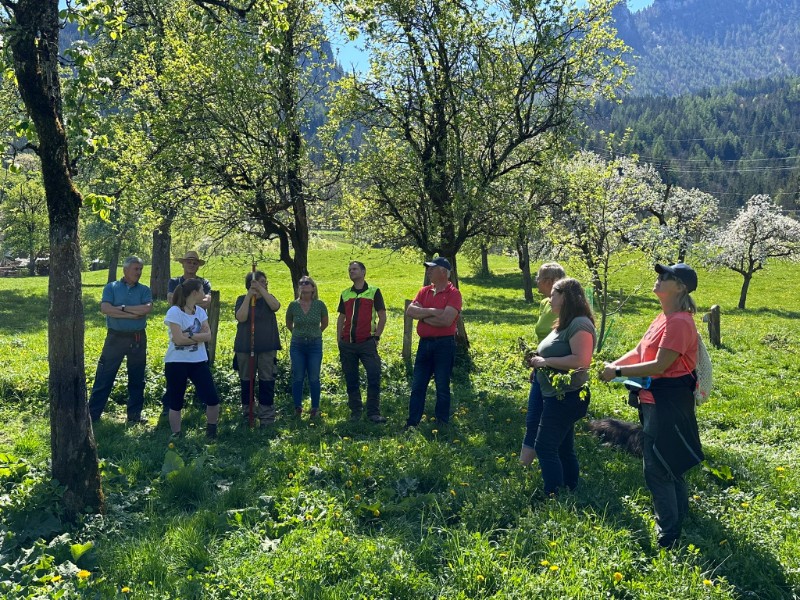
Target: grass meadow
{"points": [[334, 509]]}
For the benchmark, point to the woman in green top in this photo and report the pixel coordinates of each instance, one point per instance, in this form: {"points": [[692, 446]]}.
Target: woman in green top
{"points": [[306, 318], [566, 351], [548, 274]]}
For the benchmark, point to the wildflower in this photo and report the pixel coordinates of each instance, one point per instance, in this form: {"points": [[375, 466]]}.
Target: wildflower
{"points": [[618, 577], [745, 505], [357, 497], [503, 555], [452, 492], [696, 498], [84, 574], [434, 431], [480, 578], [125, 590], [780, 469], [171, 446], [345, 438], [349, 483], [544, 562], [553, 544], [376, 513], [56, 578], [345, 540], [291, 475], [309, 517], [364, 448], [554, 568], [708, 582]]}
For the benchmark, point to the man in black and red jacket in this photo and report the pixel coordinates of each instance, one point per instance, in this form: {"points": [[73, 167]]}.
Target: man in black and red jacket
{"points": [[362, 317]]}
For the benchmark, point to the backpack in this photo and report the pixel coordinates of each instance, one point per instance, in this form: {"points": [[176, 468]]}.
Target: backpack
{"points": [[703, 373]]}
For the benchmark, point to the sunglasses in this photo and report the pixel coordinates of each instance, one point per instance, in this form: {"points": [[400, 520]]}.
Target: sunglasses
{"points": [[667, 277], [306, 283]]}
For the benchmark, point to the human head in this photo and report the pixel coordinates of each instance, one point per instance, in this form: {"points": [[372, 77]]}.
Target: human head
{"points": [[548, 274], [257, 275], [306, 282], [356, 270], [439, 269], [191, 261], [184, 290], [132, 269], [570, 303], [685, 280]]}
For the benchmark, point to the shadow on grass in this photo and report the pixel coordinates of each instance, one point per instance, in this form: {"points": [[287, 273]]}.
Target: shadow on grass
{"points": [[508, 281], [32, 318]]}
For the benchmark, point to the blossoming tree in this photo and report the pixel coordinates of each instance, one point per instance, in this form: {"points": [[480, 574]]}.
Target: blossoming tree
{"points": [[759, 232]]}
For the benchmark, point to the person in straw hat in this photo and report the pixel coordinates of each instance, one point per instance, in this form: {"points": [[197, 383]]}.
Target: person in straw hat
{"points": [[191, 261]]}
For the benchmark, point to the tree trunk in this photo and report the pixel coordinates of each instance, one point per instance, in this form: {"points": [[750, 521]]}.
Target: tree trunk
{"points": [[484, 262], [34, 45], [524, 260], [159, 271], [462, 340], [113, 261], [31, 257], [745, 287]]}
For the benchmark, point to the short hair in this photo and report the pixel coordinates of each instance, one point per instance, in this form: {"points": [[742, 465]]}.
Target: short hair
{"points": [[248, 279], [131, 260], [551, 271], [575, 303], [361, 265]]}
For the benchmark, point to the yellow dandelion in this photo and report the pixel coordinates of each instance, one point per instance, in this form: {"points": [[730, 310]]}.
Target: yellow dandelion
{"points": [[745, 505], [291, 475], [544, 562], [125, 590], [345, 438], [503, 555], [780, 469], [357, 497], [171, 446], [553, 544], [464, 484], [337, 514], [56, 578], [696, 498], [708, 582], [452, 492], [345, 540], [376, 513], [554, 568], [84, 574], [349, 483], [618, 577], [434, 431], [309, 517], [364, 448], [480, 578]]}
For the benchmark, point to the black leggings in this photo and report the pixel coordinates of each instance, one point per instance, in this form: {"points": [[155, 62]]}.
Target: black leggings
{"points": [[179, 373]]}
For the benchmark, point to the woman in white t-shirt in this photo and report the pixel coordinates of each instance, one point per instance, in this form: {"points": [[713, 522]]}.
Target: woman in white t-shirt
{"points": [[187, 357]]}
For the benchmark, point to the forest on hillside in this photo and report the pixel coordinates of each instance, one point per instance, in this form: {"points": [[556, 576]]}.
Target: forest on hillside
{"points": [[732, 142]]}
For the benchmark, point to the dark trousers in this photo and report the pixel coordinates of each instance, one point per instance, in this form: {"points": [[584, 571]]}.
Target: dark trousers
{"points": [[555, 440], [117, 346], [179, 373], [434, 359], [669, 491], [534, 415], [367, 352]]}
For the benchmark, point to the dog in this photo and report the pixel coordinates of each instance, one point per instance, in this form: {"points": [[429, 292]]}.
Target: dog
{"points": [[620, 434]]}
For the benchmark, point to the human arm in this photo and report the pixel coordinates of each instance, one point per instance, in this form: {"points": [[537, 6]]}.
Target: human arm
{"points": [[181, 338], [663, 361], [290, 317], [581, 346], [339, 325], [441, 317], [381, 324], [263, 291], [131, 312], [323, 321]]}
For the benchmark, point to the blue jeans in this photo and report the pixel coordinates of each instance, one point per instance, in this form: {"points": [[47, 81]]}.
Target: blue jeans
{"points": [[670, 494], [116, 347], [306, 356], [534, 415], [434, 359], [555, 440]]}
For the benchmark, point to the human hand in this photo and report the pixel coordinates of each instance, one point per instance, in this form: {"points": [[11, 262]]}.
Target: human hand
{"points": [[609, 372]]}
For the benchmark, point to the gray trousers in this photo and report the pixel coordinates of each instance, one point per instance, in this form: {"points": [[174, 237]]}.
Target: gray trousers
{"points": [[367, 353]]}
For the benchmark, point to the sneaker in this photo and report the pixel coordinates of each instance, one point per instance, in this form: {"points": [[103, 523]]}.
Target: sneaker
{"points": [[175, 435], [136, 420], [377, 419], [355, 415], [314, 413]]}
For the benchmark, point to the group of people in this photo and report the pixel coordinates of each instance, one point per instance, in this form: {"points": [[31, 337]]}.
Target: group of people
{"points": [[666, 356], [361, 320], [559, 393]]}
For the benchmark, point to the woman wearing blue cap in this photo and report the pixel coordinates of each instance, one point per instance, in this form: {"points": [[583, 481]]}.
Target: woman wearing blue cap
{"points": [[667, 354]]}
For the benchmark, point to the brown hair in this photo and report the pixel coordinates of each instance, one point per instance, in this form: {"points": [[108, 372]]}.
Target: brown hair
{"points": [[183, 290], [575, 303]]}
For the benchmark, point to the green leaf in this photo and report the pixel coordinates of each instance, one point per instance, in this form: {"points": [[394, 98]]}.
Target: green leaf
{"points": [[172, 462], [78, 550]]}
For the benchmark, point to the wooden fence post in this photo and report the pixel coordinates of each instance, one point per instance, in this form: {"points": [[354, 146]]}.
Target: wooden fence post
{"points": [[213, 323], [713, 320], [408, 328]]}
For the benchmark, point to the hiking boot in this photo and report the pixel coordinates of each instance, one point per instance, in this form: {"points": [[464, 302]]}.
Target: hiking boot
{"points": [[377, 419], [355, 415], [266, 414], [298, 411], [136, 420], [314, 413]]}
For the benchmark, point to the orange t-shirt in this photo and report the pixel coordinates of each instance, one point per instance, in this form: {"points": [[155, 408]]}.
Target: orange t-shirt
{"points": [[676, 332]]}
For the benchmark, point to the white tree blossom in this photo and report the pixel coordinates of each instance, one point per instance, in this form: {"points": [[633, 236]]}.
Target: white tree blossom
{"points": [[759, 232]]}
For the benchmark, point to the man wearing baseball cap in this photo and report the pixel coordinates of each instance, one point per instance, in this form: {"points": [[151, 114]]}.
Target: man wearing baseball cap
{"points": [[436, 307], [191, 261]]}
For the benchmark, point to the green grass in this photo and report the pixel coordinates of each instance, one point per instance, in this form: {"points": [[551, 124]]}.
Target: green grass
{"points": [[341, 510]]}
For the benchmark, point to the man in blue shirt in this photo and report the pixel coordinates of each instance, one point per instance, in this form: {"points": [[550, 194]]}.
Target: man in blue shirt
{"points": [[126, 304]]}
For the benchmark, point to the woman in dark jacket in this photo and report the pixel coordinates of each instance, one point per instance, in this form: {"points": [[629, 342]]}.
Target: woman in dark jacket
{"points": [[265, 348], [667, 354]]}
